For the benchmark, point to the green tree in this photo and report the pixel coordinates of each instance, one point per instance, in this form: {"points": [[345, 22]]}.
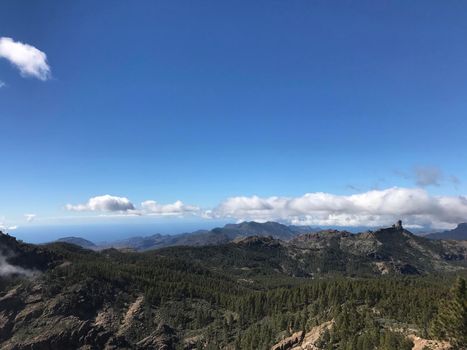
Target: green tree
{"points": [[451, 322]]}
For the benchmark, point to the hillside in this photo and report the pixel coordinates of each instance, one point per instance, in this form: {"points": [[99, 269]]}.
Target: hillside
{"points": [[17, 257], [386, 251], [248, 294], [79, 241], [458, 233]]}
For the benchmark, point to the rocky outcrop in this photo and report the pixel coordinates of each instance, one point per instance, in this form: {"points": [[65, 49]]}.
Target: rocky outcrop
{"points": [[164, 338], [426, 344], [302, 341], [29, 319], [289, 342]]}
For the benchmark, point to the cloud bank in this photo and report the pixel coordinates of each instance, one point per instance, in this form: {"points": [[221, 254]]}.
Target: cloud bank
{"points": [[371, 209], [30, 61]]}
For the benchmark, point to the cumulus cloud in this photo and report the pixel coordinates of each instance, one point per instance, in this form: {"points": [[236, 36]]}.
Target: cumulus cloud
{"points": [[177, 208], [415, 206], [30, 217], [108, 203], [373, 208], [30, 61], [105, 203]]}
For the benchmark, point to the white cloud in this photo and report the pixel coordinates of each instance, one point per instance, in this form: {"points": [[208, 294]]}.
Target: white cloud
{"points": [[123, 205], [177, 208], [30, 61], [415, 206], [30, 217], [2, 84], [5, 227], [106, 203], [373, 208]]}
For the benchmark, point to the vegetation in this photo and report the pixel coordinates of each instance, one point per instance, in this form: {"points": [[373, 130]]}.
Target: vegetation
{"points": [[451, 321], [255, 311], [243, 296]]}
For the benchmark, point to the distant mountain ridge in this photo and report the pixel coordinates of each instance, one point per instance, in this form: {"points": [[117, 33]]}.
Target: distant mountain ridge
{"points": [[219, 235], [459, 233], [78, 241], [235, 232]]}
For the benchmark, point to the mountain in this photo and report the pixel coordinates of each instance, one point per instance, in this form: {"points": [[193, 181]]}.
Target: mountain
{"points": [[220, 235], [322, 289], [387, 250], [139, 243], [391, 250], [78, 241], [252, 228], [459, 233]]}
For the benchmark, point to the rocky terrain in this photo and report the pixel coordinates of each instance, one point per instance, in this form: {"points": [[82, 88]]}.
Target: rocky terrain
{"points": [[392, 250], [254, 292], [83, 314], [32, 319], [304, 341]]}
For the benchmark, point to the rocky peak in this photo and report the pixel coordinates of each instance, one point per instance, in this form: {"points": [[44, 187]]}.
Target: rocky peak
{"points": [[398, 225]]}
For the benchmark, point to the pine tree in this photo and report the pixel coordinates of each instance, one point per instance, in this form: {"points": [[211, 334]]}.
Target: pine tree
{"points": [[451, 322]]}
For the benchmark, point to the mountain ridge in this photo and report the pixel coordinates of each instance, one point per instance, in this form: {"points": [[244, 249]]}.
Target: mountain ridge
{"points": [[218, 235], [189, 296], [78, 241], [459, 233]]}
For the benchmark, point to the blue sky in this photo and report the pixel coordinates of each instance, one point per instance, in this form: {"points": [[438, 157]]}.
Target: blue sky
{"points": [[203, 102]]}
